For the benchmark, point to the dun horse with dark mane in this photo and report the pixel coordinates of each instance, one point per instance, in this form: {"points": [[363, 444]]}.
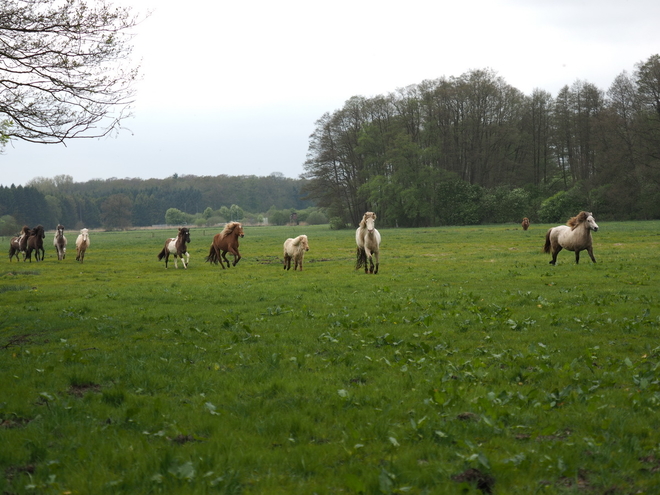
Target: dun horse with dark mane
{"points": [[176, 246], [59, 241], [574, 236], [224, 242]]}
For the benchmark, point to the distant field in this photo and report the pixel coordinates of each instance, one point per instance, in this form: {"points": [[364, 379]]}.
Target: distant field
{"points": [[467, 365]]}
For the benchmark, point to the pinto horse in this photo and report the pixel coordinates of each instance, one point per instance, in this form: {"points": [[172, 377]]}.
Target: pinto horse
{"points": [[82, 243], [367, 239], [59, 241], [295, 249], [224, 242], [18, 244], [574, 236], [176, 246], [35, 242]]}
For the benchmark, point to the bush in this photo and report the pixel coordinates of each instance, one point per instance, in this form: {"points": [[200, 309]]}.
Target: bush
{"points": [[316, 218], [336, 223]]}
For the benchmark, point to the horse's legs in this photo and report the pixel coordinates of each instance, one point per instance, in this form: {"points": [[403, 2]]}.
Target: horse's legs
{"points": [[287, 262], [577, 256], [377, 263], [185, 264], [555, 252], [590, 250]]}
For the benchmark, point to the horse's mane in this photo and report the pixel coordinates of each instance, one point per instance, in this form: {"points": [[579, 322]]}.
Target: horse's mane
{"points": [[229, 228], [363, 223], [578, 219]]}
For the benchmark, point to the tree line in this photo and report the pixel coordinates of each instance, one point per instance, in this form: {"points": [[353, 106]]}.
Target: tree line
{"points": [[473, 149], [121, 203]]}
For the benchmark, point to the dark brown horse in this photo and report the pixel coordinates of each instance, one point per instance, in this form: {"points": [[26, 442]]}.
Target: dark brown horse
{"points": [[18, 244], [176, 246], [60, 242], [226, 241], [35, 243]]}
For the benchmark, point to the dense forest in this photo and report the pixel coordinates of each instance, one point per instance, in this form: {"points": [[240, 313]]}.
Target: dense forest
{"points": [[122, 203], [473, 149]]}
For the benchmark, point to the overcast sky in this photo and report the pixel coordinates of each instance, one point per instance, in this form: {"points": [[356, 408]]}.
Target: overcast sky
{"points": [[236, 87]]}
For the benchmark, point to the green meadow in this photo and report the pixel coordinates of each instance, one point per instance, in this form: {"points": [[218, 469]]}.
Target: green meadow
{"points": [[467, 365]]}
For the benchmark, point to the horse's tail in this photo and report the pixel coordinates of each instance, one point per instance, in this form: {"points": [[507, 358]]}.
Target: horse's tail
{"points": [[213, 256], [161, 255], [546, 248], [361, 258]]}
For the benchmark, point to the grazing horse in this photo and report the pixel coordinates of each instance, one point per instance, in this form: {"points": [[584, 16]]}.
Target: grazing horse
{"points": [[226, 241], [367, 239], [59, 241], [176, 246], [18, 244], [525, 223], [574, 236], [295, 249], [35, 242], [82, 243]]}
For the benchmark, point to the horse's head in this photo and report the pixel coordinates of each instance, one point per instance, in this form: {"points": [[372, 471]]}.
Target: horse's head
{"points": [[60, 230], [591, 223], [84, 233], [184, 233], [369, 221], [238, 230], [304, 243]]}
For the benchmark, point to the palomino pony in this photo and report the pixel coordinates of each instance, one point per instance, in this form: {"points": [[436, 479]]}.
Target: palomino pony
{"points": [[176, 246], [295, 249], [574, 236], [226, 241], [525, 223], [18, 244], [59, 241], [35, 243], [82, 243], [368, 243]]}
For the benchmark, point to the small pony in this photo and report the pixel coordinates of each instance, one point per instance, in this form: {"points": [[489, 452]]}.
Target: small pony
{"points": [[295, 249], [82, 243], [525, 223], [367, 239], [18, 244], [226, 241], [59, 241], [35, 242], [574, 236], [176, 246]]}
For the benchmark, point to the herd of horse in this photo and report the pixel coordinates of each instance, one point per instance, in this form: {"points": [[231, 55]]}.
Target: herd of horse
{"points": [[32, 240], [574, 236]]}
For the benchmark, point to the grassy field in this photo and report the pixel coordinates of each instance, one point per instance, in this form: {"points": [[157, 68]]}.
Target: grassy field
{"points": [[467, 365]]}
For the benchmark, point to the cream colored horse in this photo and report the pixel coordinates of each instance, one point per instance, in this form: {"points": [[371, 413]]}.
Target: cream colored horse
{"points": [[367, 239], [574, 236], [82, 243], [294, 249]]}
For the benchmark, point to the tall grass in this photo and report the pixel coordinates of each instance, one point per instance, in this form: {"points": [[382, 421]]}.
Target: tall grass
{"points": [[467, 365]]}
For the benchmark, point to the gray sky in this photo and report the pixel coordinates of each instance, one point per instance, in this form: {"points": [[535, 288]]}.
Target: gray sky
{"points": [[236, 87]]}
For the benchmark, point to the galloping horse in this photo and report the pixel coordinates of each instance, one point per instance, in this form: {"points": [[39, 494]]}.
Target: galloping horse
{"points": [[574, 236], [226, 241], [59, 241], [367, 239], [176, 246], [35, 243], [82, 243], [18, 244], [295, 249], [525, 223]]}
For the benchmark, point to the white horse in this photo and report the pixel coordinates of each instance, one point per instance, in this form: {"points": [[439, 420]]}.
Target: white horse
{"points": [[59, 241], [82, 243], [295, 249], [367, 239], [574, 236]]}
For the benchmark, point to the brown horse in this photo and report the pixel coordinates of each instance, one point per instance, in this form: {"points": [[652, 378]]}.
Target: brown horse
{"points": [[525, 223], [176, 246], [59, 241], [574, 236], [226, 241], [18, 244], [35, 243]]}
